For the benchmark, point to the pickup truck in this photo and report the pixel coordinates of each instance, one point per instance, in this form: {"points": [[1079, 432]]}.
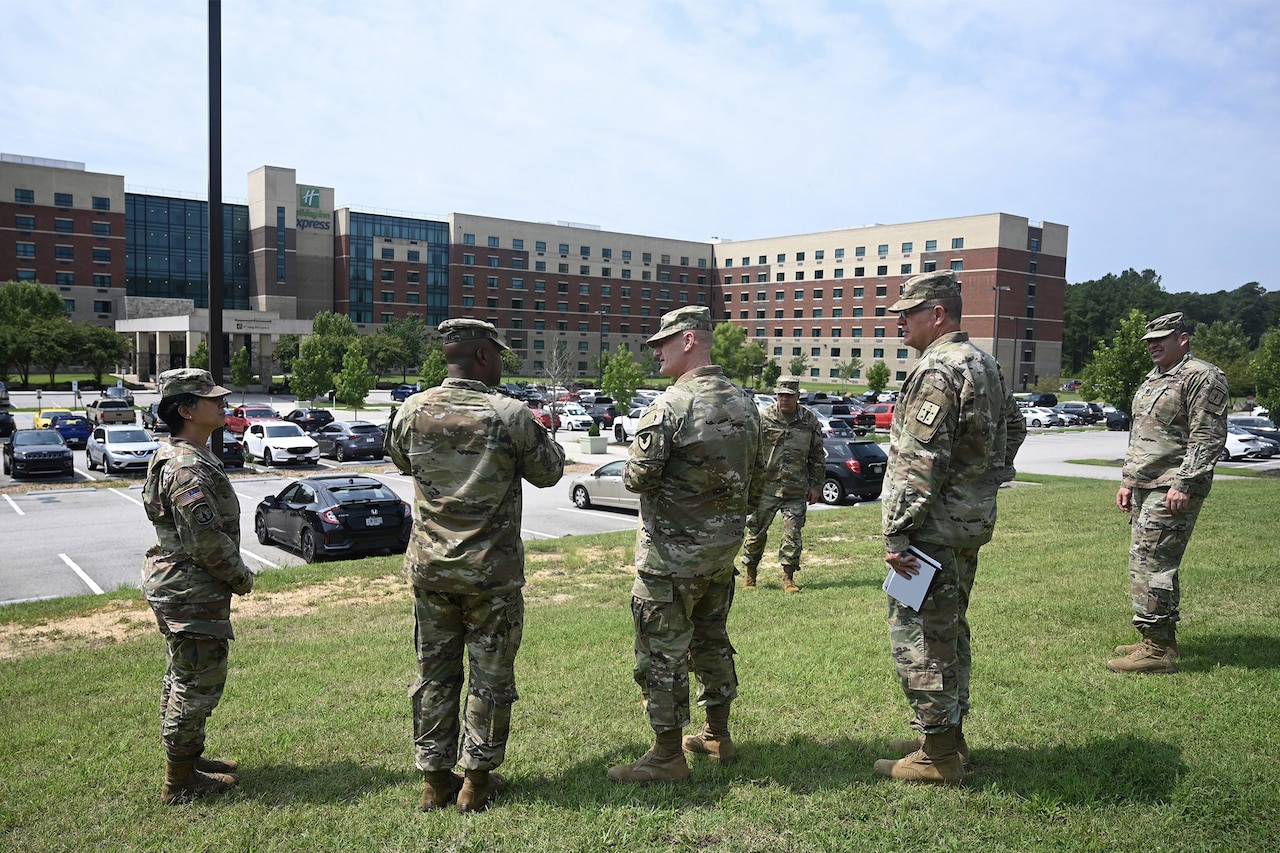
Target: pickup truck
{"points": [[241, 416], [106, 410], [624, 428]]}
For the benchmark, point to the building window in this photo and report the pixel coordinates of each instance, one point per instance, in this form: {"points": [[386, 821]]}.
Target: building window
{"points": [[62, 200], [957, 265], [493, 242], [606, 272], [66, 253], [24, 223], [539, 266], [879, 333], [540, 246], [817, 274], [957, 242], [882, 290], [468, 260], [388, 275], [64, 226], [563, 269], [882, 269], [468, 281], [931, 245], [1031, 312], [906, 248], [414, 277], [468, 239], [800, 275], [626, 273], [1031, 288], [468, 302], [878, 352], [27, 250], [564, 248], [929, 266], [539, 285], [26, 275], [102, 229], [69, 305], [388, 254], [493, 260], [64, 279], [24, 196], [1031, 268], [102, 306], [414, 256], [905, 269], [881, 311], [388, 296], [412, 298], [1034, 244], [902, 353], [859, 272], [102, 280]]}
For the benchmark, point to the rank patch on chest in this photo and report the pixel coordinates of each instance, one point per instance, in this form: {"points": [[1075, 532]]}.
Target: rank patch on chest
{"points": [[927, 413], [190, 496]]}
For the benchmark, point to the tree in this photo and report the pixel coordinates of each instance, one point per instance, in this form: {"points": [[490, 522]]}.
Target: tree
{"points": [[99, 349], [512, 363], [285, 353], [434, 370], [52, 345], [799, 365], [1093, 310], [354, 382], [648, 364], [849, 370], [557, 368], [621, 377], [1226, 345], [312, 373], [242, 371], [333, 334], [726, 347], [384, 353], [769, 374], [28, 301], [752, 362], [200, 358], [1266, 373], [1117, 369], [878, 376], [24, 305], [412, 334]]}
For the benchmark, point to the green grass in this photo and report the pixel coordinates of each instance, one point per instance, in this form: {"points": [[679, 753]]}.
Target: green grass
{"points": [[1070, 756]]}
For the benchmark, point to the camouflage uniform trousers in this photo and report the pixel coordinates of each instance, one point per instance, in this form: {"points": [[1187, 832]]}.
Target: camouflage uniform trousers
{"points": [[191, 689], [679, 622], [490, 626], [931, 648], [1159, 540], [794, 512]]}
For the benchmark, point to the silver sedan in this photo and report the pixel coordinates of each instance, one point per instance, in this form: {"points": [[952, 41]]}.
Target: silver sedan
{"points": [[603, 487]]}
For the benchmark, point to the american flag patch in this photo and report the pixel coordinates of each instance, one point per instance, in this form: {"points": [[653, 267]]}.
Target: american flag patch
{"points": [[190, 496]]}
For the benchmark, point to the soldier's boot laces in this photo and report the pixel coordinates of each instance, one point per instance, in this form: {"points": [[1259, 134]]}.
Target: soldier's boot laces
{"points": [[714, 740], [664, 763], [217, 765], [789, 582], [479, 789], [1174, 652], [183, 782], [749, 577], [937, 761], [907, 745], [440, 789], [1151, 656]]}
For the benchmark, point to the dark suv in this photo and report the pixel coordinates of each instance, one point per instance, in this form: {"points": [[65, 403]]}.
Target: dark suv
{"points": [[854, 469], [310, 419]]}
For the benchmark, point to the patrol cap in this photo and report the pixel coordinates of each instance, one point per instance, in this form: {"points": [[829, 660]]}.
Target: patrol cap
{"points": [[788, 385], [691, 317], [925, 288], [189, 380], [1164, 325], [467, 329]]}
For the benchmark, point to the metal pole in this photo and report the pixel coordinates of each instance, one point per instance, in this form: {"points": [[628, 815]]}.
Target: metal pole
{"points": [[995, 331], [216, 354]]}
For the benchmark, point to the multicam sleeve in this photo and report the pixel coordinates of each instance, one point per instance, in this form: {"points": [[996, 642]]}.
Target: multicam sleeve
{"points": [[816, 464], [541, 456], [1206, 402], [650, 448], [1015, 428], [199, 527], [924, 437], [397, 439]]}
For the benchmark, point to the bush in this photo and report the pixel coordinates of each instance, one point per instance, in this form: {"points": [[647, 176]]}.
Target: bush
{"points": [[594, 429]]}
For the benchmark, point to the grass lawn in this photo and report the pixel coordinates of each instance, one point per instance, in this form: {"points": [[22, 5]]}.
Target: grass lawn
{"points": [[1069, 755]]}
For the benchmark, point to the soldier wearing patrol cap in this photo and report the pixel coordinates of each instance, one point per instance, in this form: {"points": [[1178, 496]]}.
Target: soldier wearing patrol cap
{"points": [[1179, 428], [467, 450], [190, 575], [791, 465], [691, 462], [954, 435]]}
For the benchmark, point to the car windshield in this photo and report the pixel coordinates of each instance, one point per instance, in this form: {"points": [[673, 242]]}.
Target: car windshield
{"points": [[112, 404], [365, 429], [75, 420], [284, 431], [37, 437], [259, 413], [128, 436]]}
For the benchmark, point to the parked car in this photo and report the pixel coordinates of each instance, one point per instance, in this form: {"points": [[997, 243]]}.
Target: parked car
{"points": [[572, 416], [37, 451], [241, 416], [232, 454], [875, 416], [836, 427], [603, 487], [106, 410], [276, 442], [119, 448], [335, 514], [7, 424], [118, 392], [44, 417], [604, 414], [1259, 426], [1242, 445], [345, 440], [400, 393], [1089, 413], [310, 419], [151, 419], [624, 429], [4, 395], [1117, 420], [74, 430], [543, 416], [854, 469], [1039, 416], [1067, 418], [1041, 398]]}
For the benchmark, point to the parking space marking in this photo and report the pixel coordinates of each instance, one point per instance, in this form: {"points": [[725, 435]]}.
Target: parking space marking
{"points": [[539, 534], [126, 497], [249, 553], [16, 508], [97, 590]]}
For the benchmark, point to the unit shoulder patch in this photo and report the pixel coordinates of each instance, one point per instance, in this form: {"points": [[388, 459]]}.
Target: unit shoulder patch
{"points": [[931, 412]]}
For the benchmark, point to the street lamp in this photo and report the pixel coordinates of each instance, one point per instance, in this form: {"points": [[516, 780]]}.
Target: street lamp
{"points": [[995, 327], [600, 348]]}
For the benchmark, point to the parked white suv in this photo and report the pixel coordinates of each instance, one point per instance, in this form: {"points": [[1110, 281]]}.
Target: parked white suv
{"points": [[277, 442]]}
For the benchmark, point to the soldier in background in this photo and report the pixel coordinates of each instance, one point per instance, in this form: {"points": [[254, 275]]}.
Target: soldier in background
{"points": [[791, 467], [691, 463], [189, 577], [955, 432], [467, 449], [1179, 430]]}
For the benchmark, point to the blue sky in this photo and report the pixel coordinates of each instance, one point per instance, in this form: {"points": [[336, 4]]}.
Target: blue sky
{"points": [[1149, 127]]}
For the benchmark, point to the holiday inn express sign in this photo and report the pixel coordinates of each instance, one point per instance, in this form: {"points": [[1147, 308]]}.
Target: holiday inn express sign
{"points": [[309, 216]]}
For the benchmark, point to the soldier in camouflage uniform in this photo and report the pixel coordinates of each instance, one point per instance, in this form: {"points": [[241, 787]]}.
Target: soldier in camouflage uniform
{"points": [[467, 450], [189, 577], [1179, 430], [955, 432], [691, 463], [791, 467]]}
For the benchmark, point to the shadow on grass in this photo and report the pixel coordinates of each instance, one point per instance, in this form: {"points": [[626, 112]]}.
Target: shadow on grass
{"points": [[1116, 770], [282, 784], [1252, 651]]}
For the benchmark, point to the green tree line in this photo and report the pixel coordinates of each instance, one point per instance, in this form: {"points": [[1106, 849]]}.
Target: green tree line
{"points": [[36, 334]]}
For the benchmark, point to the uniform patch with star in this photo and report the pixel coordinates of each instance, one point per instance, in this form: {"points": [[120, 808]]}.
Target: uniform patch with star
{"points": [[928, 413]]}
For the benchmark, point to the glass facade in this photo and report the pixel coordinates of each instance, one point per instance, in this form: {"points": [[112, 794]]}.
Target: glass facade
{"points": [[369, 228], [167, 253]]}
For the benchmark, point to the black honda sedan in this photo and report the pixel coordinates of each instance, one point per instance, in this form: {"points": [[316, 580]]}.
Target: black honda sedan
{"points": [[335, 514]]}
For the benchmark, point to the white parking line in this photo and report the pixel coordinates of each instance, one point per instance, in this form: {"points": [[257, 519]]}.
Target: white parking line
{"points": [[87, 475], [249, 553], [16, 508], [540, 534], [97, 590], [126, 497]]}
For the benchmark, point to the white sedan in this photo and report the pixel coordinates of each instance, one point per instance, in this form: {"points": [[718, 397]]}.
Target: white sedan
{"points": [[1040, 417], [276, 442]]}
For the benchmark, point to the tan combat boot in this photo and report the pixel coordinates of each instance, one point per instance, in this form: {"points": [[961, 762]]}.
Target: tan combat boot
{"points": [[1153, 656], [182, 781], [937, 761], [440, 789], [714, 740], [1175, 653], [907, 745], [788, 582], [217, 765], [479, 789], [664, 763]]}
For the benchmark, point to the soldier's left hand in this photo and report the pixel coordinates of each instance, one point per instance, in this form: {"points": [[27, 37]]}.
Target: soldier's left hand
{"points": [[814, 494], [1176, 502], [903, 562]]}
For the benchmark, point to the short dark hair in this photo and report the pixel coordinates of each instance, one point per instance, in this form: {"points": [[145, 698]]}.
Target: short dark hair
{"points": [[168, 411]]}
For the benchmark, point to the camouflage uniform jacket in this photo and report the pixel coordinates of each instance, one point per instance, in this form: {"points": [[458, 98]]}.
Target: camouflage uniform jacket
{"points": [[1179, 428], [467, 450], [195, 565], [692, 462], [791, 459], [955, 432]]}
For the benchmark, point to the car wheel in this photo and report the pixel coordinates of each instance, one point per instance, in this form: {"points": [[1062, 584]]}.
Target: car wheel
{"points": [[1226, 455], [870, 497], [340, 453], [88, 461], [106, 464], [619, 434], [308, 547], [260, 528], [581, 499], [832, 492], [266, 456], [1036, 423]]}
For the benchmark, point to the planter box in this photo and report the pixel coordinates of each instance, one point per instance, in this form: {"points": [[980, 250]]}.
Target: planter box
{"points": [[594, 444]]}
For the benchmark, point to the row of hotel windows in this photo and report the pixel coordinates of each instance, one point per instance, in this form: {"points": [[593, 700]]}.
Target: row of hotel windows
{"points": [[59, 199], [414, 255], [838, 272], [61, 252], [584, 269], [816, 314], [540, 246], [584, 289], [100, 306], [64, 279], [858, 252], [26, 222]]}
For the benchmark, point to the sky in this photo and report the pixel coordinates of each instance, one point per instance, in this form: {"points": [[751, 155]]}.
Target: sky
{"points": [[1151, 128]]}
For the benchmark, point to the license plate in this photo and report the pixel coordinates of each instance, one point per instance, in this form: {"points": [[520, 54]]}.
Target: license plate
{"points": [[373, 521]]}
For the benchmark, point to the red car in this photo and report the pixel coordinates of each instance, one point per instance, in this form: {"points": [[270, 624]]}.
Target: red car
{"points": [[543, 416], [241, 416], [876, 415]]}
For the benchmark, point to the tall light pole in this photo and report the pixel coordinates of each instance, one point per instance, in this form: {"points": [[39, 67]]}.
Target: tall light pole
{"points": [[995, 328], [600, 348]]}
